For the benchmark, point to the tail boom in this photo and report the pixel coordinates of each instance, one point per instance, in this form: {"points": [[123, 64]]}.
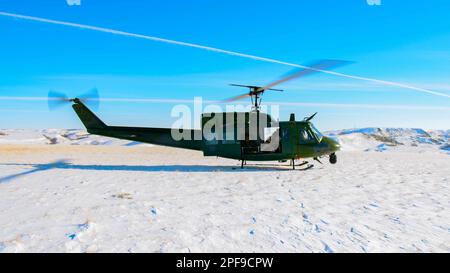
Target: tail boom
{"points": [[159, 136]]}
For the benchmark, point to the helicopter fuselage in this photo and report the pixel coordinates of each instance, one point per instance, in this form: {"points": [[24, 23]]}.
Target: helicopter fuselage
{"points": [[287, 140], [296, 140]]}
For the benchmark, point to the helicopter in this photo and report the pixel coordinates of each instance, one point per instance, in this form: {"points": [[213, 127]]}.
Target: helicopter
{"points": [[251, 135]]}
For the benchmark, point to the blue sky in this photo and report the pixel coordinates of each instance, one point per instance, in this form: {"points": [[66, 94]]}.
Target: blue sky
{"points": [[407, 42]]}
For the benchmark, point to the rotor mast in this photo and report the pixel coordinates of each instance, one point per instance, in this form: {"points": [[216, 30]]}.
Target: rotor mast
{"points": [[255, 97], [256, 92]]}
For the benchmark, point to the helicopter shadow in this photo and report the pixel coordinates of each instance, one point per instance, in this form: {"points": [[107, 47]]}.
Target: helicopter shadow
{"points": [[65, 165]]}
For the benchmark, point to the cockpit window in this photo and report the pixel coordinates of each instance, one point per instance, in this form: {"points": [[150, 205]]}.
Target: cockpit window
{"points": [[317, 133], [306, 137]]}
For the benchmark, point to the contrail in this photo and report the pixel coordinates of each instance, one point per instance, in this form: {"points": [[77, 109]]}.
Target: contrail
{"points": [[218, 50], [305, 104]]}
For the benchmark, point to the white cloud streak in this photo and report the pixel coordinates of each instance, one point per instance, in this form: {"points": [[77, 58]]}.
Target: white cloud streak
{"points": [[304, 104], [218, 50]]}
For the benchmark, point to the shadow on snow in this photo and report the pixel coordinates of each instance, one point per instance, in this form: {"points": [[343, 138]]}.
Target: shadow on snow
{"points": [[65, 165]]}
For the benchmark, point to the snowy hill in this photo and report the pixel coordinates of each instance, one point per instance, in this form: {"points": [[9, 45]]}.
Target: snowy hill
{"points": [[363, 139], [59, 136], [393, 139]]}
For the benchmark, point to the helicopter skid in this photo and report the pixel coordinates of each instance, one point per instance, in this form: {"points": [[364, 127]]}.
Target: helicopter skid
{"points": [[302, 164], [308, 166]]}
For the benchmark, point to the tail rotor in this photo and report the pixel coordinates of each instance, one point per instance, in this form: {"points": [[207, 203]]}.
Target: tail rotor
{"points": [[57, 100], [91, 98]]}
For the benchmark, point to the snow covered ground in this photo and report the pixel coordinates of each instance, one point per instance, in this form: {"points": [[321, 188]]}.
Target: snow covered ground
{"points": [[389, 192]]}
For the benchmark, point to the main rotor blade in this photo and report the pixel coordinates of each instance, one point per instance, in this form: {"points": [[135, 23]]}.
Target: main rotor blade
{"points": [[254, 87], [314, 68], [273, 89], [237, 97], [241, 85]]}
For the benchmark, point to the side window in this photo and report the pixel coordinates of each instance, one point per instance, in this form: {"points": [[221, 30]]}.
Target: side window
{"points": [[285, 134]]}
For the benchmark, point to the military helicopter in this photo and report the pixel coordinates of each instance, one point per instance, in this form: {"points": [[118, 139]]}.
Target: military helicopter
{"points": [[251, 136]]}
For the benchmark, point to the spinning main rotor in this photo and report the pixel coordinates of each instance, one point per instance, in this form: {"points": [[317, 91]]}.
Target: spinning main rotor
{"points": [[255, 92]]}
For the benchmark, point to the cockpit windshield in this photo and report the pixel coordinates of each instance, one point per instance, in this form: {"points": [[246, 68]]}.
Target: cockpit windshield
{"points": [[317, 133]]}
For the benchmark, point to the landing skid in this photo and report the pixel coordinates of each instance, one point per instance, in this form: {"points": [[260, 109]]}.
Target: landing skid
{"points": [[308, 165], [303, 163]]}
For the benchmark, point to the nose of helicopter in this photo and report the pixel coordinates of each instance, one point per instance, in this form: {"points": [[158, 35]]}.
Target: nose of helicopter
{"points": [[333, 145]]}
